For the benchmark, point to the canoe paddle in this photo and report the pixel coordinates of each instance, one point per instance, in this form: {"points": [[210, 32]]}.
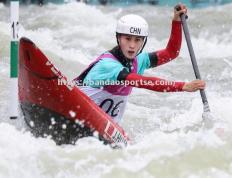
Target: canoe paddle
{"points": [[206, 110]]}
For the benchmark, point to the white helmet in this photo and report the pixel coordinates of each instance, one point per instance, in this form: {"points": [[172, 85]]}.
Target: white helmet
{"points": [[132, 25]]}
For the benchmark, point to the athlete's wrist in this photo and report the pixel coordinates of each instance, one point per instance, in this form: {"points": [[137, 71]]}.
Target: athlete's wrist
{"points": [[176, 22]]}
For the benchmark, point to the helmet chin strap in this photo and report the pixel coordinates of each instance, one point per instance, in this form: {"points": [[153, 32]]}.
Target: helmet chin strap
{"points": [[145, 42]]}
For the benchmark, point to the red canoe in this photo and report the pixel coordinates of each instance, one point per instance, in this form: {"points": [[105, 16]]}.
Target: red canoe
{"points": [[61, 111]]}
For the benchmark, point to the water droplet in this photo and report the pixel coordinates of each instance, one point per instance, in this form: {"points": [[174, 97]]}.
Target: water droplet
{"points": [[72, 114], [64, 126]]}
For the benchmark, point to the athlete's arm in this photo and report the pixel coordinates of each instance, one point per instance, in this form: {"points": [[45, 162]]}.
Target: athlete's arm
{"points": [[172, 49], [158, 84], [150, 83]]}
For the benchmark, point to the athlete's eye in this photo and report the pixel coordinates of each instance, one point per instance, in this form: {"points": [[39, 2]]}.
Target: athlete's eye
{"points": [[138, 39], [128, 38]]}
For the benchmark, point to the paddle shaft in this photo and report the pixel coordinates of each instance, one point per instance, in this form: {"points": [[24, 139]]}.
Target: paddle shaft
{"points": [[193, 60]]}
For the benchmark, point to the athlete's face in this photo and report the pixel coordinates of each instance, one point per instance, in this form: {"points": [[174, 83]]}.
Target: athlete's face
{"points": [[130, 45]]}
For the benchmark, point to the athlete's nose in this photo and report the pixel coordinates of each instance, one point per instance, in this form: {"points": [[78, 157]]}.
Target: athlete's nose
{"points": [[132, 44]]}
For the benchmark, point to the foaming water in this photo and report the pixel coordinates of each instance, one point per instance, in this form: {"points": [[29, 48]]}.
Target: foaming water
{"points": [[166, 129]]}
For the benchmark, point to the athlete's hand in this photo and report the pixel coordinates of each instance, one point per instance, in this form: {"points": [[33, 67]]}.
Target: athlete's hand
{"points": [[183, 8], [194, 85]]}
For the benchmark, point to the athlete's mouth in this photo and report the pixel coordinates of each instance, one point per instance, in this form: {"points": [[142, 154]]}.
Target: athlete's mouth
{"points": [[131, 52]]}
